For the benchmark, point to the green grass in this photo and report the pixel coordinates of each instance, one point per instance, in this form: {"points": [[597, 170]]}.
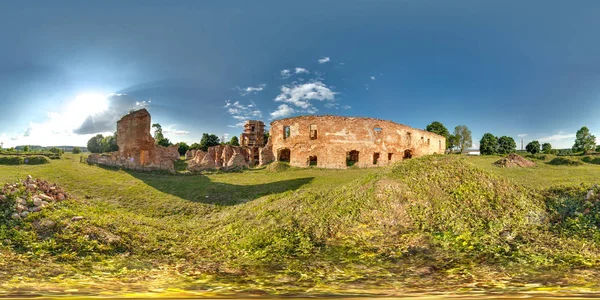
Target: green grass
{"points": [[543, 175], [436, 220]]}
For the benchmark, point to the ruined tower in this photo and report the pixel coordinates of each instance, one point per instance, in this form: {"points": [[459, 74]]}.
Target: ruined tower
{"points": [[254, 134]]}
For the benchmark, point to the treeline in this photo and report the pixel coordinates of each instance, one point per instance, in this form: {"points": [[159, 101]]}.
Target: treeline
{"points": [[459, 140], [103, 144], [584, 142]]}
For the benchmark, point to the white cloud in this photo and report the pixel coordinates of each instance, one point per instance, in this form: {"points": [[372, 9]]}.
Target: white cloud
{"points": [[285, 73], [282, 111], [251, 89], [301, 71], [171, 130], [106, 121], [75, 122], [141, 104], [559, 140], [324, 60], [522, 135], [346, 107], [372, 77], [242, 112], [557, 137], [302, 95]]}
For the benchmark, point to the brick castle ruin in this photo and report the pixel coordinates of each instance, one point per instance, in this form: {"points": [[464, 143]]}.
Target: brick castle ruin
{"points": [[323, 141], [137, 148]]}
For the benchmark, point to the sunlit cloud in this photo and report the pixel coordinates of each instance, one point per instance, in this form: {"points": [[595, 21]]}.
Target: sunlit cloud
{"points": [[282, 111], [242, 112], [251, 89], [324, 60]]}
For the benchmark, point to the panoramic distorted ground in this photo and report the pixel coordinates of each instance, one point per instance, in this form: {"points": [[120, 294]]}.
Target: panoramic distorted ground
{"points": [[430, 224]]}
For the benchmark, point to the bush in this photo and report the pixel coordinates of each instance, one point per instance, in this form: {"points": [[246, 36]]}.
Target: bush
{"points": [[565, 152], [36, 160], [564, 161], [76, 150], [24, 160], [591, 160], [11, 160], [56, 151]]}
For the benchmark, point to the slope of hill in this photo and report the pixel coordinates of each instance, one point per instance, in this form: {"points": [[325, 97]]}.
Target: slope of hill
{"points": [[431, 220]]}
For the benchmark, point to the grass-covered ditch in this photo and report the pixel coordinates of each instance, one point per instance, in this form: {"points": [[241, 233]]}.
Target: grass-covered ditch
{"points": [[439, 219]]}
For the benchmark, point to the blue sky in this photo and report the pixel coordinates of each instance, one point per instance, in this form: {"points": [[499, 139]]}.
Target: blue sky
{"points": [[70, 69]]}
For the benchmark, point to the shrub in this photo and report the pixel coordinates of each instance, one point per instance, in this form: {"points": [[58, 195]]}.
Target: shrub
{"points": [[591, 160], [565, 152], [76, 150], [564, 161], [36, 160], [11, 160], [56, 151], [24, 160]]}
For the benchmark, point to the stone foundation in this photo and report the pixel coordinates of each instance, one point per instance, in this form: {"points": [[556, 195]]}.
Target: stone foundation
{"points": [[225, 157]]}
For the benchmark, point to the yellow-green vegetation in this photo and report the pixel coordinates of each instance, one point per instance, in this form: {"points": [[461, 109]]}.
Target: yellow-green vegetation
{"points": [[24, 160], [435, 220]]}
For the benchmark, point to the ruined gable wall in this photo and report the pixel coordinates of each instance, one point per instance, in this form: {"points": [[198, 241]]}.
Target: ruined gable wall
{"points": [[136, 146], [336, 136]]}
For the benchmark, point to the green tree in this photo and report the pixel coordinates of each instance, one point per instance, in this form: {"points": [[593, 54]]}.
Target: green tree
{"points": [[76, 150], [506, 145], [158, 134], [208, 140], [533, 147], [266, 136], [183, 148], [165, 142], [584, 140], [451, 141], [234, 141], [463, 137], [55, 150], [547, 148], [109, 143], [488, 144], [25, 148], [195, 146], [94, 145], [439, 128], [598, 148]]}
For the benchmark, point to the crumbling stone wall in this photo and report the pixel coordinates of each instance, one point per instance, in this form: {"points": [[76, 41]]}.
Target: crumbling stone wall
{"points": [[339, 142], [225, 157], [137, 149], [190, 154]]}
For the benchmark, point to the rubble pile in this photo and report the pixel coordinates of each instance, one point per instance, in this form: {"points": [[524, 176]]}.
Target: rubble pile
{"points": [[22, 198], [514, 160]]}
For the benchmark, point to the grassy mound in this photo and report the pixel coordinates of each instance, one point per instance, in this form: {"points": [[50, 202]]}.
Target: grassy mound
{"points": [[591, 159], [278, 166], [24, 160], [565, 161], [432, 219]]}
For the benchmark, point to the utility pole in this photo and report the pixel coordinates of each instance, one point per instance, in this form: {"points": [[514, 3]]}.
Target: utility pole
{"points": [[521, 144]]}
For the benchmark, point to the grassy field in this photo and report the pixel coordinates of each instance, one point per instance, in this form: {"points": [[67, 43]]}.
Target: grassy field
{"points": [[436, 223], [543, 175]]}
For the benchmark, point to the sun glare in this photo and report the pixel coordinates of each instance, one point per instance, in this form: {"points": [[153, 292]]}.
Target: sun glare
{"points": [[89, 104]]}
